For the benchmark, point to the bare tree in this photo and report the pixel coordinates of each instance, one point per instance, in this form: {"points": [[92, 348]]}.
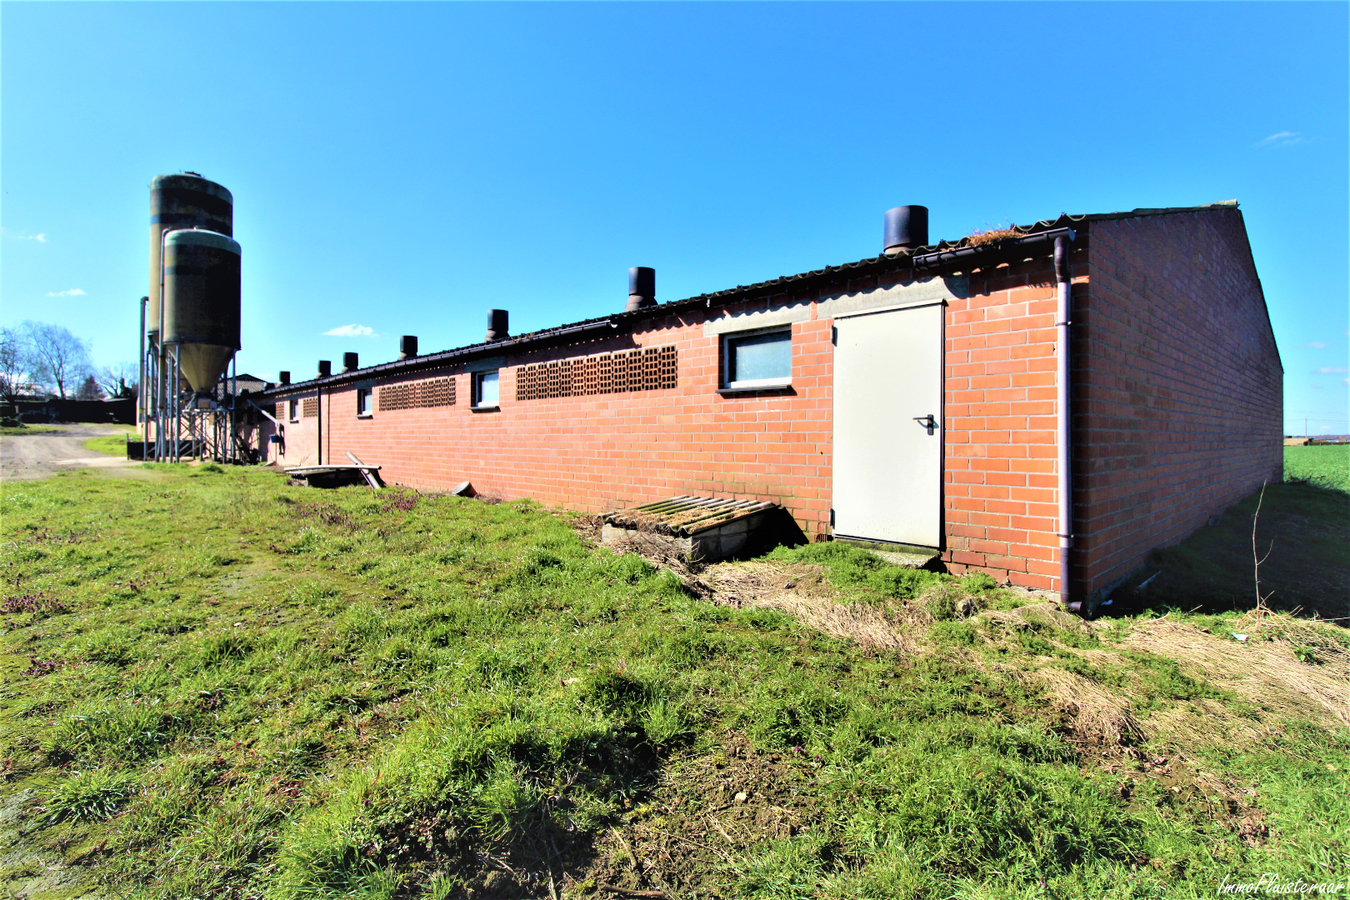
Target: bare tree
{"points": [[14, 380], [56, 357], [120, 381]]}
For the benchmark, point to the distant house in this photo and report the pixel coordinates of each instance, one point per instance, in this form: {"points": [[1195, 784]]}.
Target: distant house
{"points": [[246, 384], [907, 398]]}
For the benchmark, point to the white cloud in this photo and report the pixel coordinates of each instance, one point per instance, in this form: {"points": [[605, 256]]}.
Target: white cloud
{"points": [[40, 238], [1281, 139], [1328, 370], [351, 331], [1315, 345], [73, 292]]}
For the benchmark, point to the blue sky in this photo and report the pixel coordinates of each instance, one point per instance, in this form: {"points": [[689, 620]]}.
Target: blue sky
{"points": [[401, 168]]}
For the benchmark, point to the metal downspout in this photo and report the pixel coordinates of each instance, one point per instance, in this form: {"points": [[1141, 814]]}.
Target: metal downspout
{"points": [[1063, 414]]}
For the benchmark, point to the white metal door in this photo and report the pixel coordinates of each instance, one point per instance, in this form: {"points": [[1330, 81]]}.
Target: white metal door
{"points": [[887, 451]]}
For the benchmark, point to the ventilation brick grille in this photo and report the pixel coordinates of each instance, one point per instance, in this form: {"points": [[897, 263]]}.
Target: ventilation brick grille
{"points": [[418, 394], [309, 407], [644, 369]]}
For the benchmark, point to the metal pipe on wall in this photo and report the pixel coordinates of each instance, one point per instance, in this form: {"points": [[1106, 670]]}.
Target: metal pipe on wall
{"points": [[1063, 414], [234, 404]]}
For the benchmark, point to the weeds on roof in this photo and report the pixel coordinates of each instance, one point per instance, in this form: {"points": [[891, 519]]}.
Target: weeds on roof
{"points": [[993, 236]]}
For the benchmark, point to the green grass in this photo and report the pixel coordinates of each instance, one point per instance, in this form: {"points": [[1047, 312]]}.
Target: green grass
{"points": [[112, 444], [219, 685], [1302, 531], [1324, 465], [27, 429]]}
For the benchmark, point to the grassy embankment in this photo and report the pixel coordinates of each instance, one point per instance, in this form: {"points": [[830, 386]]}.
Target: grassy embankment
{"points": [[218, 685]]}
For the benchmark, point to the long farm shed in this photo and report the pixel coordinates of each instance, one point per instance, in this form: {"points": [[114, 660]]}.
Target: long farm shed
{"points": [[914, 398]]}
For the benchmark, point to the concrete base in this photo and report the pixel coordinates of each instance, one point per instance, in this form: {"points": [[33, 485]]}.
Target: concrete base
{"points": [[907, 555]]}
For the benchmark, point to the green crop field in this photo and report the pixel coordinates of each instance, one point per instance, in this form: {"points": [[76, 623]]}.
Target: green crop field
{"points": [[218, 685], [1327, 465]]}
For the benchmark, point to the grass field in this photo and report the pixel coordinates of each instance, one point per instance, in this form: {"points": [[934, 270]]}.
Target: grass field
{"points": [[1326, 465], [217, 685], [112, 444], [27, 429]]}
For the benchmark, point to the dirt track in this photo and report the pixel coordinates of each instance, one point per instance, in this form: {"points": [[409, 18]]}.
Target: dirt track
{"points": [[26, 457]]}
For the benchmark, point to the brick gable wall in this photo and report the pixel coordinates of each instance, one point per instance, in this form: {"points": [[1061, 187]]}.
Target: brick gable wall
{"points": [[1178, 407]]}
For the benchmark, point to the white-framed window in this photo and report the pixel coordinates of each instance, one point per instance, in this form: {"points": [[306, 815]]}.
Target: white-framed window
{"points": [[293, 409], [757, 360], [485, 393], [365, 402]]}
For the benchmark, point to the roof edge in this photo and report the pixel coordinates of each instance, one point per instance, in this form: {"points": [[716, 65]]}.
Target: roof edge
{"points": [[940, 255]]}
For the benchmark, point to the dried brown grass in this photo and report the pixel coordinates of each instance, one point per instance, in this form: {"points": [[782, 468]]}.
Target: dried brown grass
{"points": [[1045, 615], [1263, 671], [1271, 683], [980, 238], [1096, 715], [801, 591]]}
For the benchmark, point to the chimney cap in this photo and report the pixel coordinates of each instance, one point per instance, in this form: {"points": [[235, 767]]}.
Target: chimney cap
{"points": [[407, 346], [284, 377], [641, 288], [498, 325], [906, 227]]}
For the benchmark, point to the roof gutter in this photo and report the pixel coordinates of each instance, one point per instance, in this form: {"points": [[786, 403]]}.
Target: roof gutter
{"points": [[986, 253]]}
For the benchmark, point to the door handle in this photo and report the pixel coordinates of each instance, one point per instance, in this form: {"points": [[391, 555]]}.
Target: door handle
{"points": [[928, 422]]}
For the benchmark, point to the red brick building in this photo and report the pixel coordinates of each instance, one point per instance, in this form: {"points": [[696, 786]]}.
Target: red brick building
{"points": [[910, 397]]}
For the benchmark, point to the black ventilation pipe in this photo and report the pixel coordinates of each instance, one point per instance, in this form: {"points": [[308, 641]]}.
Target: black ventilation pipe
{"points": [[906, 228], [498, 325], [641, 288], [284, 377], [325, 368], [349, 362], [407, 346]]}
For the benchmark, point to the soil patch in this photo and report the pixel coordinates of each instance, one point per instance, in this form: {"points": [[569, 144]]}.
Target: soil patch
{"points": [[706, 813]]}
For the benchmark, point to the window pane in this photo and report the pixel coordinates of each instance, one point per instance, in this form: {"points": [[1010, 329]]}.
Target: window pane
{"points": [[759, 357], [487, 389]]}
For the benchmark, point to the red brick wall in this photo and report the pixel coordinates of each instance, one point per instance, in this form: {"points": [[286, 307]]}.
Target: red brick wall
{"points": [[608, 451], [1001, 491], [1178, 404]]}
